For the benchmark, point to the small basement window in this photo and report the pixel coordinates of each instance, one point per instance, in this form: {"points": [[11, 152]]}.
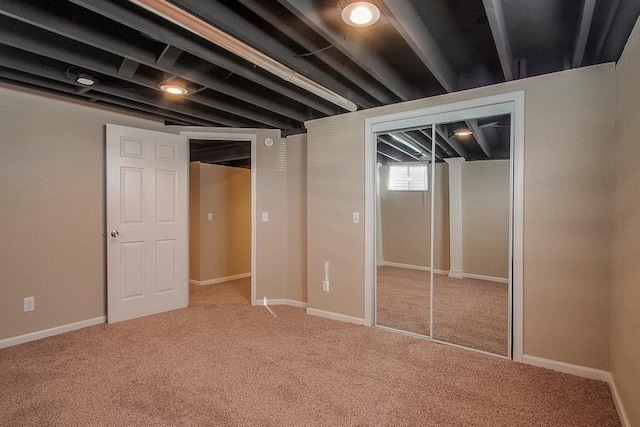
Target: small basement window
{"points": [[408, 177]]}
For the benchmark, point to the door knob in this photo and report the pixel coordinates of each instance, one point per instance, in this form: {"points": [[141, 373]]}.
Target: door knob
{"points": [[114, 233]]}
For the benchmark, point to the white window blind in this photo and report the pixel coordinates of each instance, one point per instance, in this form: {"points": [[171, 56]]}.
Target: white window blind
{"points": [[408, 177]]}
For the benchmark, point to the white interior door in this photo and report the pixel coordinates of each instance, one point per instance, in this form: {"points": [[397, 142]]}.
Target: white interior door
{"points": [[147, 222]]}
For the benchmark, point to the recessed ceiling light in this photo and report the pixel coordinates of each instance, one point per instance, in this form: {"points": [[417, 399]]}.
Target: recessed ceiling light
{"points": [[174, 89], [462, 132], [360, 14], [85, 80]]}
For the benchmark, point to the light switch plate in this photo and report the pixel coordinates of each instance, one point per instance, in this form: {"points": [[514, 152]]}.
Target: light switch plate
{"points": [[356, 217], [265, 216]]}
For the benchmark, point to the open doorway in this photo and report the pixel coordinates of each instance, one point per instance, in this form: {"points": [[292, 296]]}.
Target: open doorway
{"points": [[221, 213]]}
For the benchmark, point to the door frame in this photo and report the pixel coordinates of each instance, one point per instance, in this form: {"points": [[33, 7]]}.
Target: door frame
{"points": [[509, 103], [223, 134]]}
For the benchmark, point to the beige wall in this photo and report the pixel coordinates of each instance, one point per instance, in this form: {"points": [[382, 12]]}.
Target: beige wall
{"points": [[485, 217], [406, 222], [271, 189], [224, 243], [52, 180], [567, 210], [297, 214], [194, 221], [52, 208], [625, 302]]}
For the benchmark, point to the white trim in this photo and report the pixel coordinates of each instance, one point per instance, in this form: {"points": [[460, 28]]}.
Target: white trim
{"points": [[486, 278], [219, 280], [516, 300], [450, 344], [224, 134], [437, 271], [411, 267], [400, 331], [456, 274], [456, 269], [21, 339], [281, 301], [622, 413], [567, 368], [299, 304], [335, 316]]}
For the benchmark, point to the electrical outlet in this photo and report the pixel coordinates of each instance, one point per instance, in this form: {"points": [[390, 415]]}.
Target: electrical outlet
{"points": [[325, 285], [29, 304]]}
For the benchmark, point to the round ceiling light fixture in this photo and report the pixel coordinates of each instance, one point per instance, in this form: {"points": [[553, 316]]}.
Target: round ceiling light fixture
{"points": [[85, 80], [360, 13], [174, 89]]}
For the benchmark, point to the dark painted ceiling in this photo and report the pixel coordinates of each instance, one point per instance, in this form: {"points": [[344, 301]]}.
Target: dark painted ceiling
{"points": [[419, 48]]}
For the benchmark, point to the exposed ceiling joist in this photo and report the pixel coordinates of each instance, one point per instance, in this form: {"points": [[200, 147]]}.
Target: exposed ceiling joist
{"points": [[383, 154], [128, 68], [457, 147], [480, 137], [366, 58], [146, 110], [168, 36], [169, 56], [130, 52], [395, 147], [498, 25], [419, 144], [268, 13], [62, 53], [604, 34], [221, 155], [583, 32], [66, 29], [408, 23], [220, 23]]}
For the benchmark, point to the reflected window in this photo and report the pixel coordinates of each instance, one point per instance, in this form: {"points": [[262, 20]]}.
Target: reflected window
{"points": [[408, 177]]}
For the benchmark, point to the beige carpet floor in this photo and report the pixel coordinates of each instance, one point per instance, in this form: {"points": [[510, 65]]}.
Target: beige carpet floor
{"points": [[221, 362], [468, 312]]}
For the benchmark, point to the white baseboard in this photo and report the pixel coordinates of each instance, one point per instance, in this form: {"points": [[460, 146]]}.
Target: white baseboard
{"points": [[335, 316], [451, 273], [567, 368], [456, 274], [219, 280], [411, 267], [487, 278], [299, 304], [281, 301], [624, 418], [21, 339], [584, 372]]}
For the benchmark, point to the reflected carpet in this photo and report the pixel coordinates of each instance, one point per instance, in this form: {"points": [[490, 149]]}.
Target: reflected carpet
{"points": [[468, 312]]}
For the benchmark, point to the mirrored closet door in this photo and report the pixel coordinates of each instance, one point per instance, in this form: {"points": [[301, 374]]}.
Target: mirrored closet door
{"points": [[443, 231], [403, 293]]}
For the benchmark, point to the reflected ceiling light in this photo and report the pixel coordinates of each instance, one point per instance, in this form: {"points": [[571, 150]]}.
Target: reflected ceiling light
{"points": [[174, 89], [85, 80], [463, 132], [359, 13]]}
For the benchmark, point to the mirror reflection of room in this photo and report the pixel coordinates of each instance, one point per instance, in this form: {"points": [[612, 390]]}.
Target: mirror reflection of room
{"points": [[471, 238]]}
